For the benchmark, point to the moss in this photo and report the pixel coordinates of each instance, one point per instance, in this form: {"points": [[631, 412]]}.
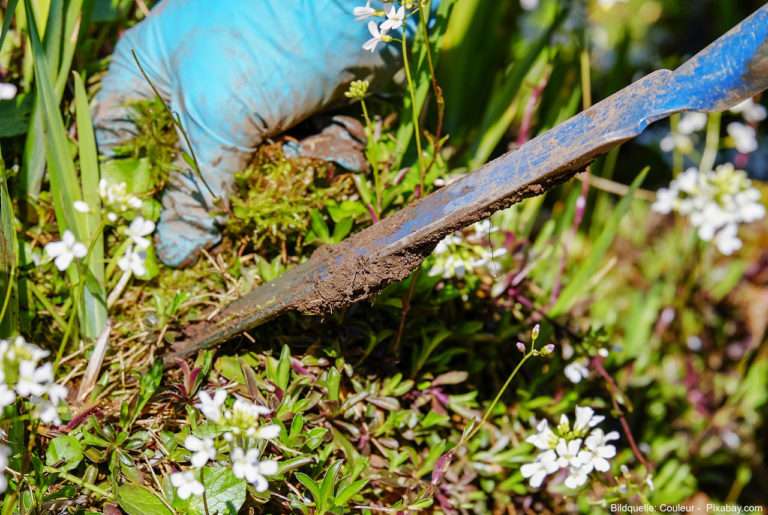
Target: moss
{"points": [[156, 139], [274, 197]]}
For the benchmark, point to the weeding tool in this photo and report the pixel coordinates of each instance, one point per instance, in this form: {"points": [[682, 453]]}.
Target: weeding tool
{"points": [[730, 70]]}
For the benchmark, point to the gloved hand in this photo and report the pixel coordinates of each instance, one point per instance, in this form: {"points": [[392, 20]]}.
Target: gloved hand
{"points": [[237, 72]]}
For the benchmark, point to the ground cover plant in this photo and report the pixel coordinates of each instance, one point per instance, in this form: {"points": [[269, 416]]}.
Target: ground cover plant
{"points": [[602, 345]]}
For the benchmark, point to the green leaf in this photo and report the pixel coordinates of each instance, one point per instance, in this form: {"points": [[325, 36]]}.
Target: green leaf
{"points": [[326, 488], [333, 383], [66, 448], [10, 8], [341, 229], [319, 227], [420, 505], [138, 500], [148, 384], [349, 491], [9, 307], [589, 267], [151, 268], [135, 173], [14, 115], [224, 492], [284, 368], [309, 483]]}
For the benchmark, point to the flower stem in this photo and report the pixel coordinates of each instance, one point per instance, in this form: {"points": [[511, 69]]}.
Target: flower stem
{"points": [[496, 400], [80, 482], [373, 159], [416, 130], [713, 139], [205, 496]]}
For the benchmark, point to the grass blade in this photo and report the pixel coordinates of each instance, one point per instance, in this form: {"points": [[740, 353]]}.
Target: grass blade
{"points": [[581, 278], [9, 308], [94, 303], [498, 116], [62, 173], [10, 8]]}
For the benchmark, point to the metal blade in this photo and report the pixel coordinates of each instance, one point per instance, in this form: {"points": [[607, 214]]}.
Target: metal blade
{"points": [[730, 70]]}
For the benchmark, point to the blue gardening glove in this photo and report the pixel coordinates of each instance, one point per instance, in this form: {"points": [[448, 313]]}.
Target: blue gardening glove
{"points": [[237, 72]]}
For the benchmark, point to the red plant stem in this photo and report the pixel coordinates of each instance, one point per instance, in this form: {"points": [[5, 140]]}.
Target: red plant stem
{"points": [[525, 125], [406, 307], [598, 364]]}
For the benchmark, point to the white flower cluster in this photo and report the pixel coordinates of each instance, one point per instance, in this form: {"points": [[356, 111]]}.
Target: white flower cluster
{"points": [[69, 248], [743, 137], [681, 138], [243, 419], [563, 449], [458, 253], [395, 17], [714, 201], [116, 199], [21, 375]]}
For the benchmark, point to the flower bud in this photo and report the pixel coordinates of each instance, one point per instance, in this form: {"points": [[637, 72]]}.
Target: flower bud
{"points": [[521, 347], [535, 332], [548, 349]]}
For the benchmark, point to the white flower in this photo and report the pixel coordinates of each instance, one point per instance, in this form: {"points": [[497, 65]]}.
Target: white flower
{"points": [[46, 411], [726, 240], [186, 484], [81, 206], [675, 141], [7, 396], [545, 438], [529, 5], [607, 4], [138, 229], [378, 36], [568, 453], [363, 13], [211, 407], [691, 122], [576, 370], [32, 381], [56, 392], [666, 201], [482, 229], [597, 443], [545, 464], [4, 453], [750, 110], [7, 91], [247, 465], [66, 250], [117, 198], [203, 450], [577, 476], [585, 418], [245, 417], [649, 482], [395, 17], [743, 136], [133, 261]]}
